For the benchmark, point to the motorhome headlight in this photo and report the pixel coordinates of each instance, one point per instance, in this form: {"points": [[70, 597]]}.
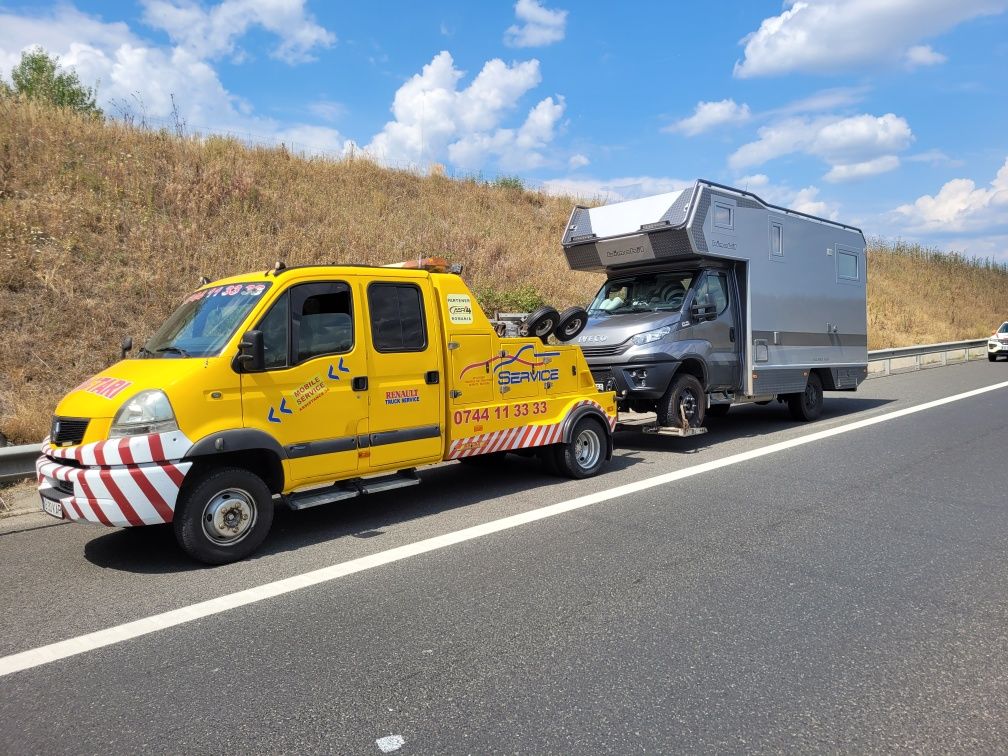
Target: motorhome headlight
{"points": [[648, 336], [147, 412]]}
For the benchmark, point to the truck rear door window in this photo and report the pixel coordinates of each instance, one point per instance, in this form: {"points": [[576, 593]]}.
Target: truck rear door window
{"points": [[397, 317]]}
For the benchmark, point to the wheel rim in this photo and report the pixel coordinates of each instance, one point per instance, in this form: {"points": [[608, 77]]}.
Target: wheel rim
{"points": [[572, 328], [811, 396], [544, 328], [688, 405], [229, 516], [587, 449]]}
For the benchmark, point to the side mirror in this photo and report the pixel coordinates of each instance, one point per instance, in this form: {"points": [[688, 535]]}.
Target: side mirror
{"points": [[701, 312], [251, 353], [126, 346]]}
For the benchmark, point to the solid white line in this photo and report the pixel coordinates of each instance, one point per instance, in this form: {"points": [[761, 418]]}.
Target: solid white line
{"points": [[82, 644]]}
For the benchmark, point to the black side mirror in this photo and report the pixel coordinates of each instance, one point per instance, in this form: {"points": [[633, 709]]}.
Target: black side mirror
{"points": [[701, 312], [251, 353], [126, 346]]}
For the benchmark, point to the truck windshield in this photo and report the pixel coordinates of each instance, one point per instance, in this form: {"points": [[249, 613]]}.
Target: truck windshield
{"points": [[205, 321], [643, 293]]}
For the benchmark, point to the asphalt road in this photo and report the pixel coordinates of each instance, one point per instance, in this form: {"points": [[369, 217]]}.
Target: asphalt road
{"points": [[848, 594]]}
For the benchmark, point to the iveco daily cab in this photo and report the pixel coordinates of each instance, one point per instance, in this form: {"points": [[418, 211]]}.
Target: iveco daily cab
{"points": [[305, 386]]}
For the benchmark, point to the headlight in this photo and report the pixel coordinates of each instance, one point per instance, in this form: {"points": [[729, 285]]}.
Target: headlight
{"points": [[147, 412], [648, 336]]}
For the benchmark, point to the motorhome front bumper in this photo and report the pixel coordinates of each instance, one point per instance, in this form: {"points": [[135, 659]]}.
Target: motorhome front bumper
{"points": [[643, 379]]}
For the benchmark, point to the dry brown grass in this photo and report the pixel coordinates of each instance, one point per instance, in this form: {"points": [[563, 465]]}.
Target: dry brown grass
{"points": [[104, 227]]}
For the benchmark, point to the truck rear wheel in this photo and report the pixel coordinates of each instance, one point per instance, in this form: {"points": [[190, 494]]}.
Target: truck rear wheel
{"points": [[808, 404], [224, 515], [685, 398], [585, 453]]}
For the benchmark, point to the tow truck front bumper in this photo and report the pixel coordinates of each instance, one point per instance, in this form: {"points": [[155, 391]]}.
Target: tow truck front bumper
{"points": [[121, 483]]}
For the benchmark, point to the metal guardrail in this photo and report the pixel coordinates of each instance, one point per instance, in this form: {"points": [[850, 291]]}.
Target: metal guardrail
{"points": [[883, 362], [18, 462]]}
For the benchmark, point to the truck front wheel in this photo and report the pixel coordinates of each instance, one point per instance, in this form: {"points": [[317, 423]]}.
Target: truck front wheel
{"points": [[585, 453], [808, 404], [685, 400], [224, 515]]}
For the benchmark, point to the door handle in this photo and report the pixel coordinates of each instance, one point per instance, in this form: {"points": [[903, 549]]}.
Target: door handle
{"points": [[432, 377], [359, 383], [731, 334]]}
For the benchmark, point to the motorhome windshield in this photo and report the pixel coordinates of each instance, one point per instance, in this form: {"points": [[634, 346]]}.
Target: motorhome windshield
{"points": [[642, 293], [205, 321]]}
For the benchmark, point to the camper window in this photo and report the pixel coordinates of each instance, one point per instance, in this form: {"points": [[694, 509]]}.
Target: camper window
{"points": [[643, 293], [847, 265], [723, 216], [776, 239]]}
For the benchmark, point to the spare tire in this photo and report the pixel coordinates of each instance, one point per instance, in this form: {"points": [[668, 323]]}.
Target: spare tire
{"points": [[572, 322], [541, 323]]}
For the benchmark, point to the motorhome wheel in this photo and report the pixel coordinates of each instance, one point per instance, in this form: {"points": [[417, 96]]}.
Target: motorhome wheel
{"points": [[541, 323], [808, 404], [572, 322], [684, 402]]}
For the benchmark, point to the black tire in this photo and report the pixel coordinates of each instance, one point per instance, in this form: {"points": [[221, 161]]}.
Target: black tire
{"points": [[685, 396], [585, 453], [541, 323], [572, 322], [991, 357], [807, 405], [215, 500], [718, 410]]}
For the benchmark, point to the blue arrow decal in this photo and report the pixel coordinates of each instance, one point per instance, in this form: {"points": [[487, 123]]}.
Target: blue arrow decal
{"points": [[271, 417], [342, 367], [283, 407], [332, 375]]}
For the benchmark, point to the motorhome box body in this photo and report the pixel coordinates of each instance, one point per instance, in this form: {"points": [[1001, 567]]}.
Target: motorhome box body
{"points": [[753, 300]]}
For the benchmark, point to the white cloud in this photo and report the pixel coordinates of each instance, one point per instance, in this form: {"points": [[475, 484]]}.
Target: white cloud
{"points": [[923, 55], [615, 189], [578, 161], [853, 171], [539, 26], [828, 36], [140, 77], [328, 110], [824, 99], [214, 31], [838, 141], [708, 115], [960, 207], [807, 201], [435, 119], [933, 157], [753, 182]]}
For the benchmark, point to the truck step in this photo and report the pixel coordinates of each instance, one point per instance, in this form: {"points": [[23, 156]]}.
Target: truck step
{"points": [[318, 496], [401, 479]]}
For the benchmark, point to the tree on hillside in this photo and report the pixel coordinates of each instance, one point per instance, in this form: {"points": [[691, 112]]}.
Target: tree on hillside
{"points": [[38, 77]]}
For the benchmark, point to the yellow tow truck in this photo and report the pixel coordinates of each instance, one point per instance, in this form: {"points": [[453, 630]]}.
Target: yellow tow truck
{"points": [[311, 385]]}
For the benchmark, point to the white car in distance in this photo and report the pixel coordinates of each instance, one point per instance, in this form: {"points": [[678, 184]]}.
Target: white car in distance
{"points": [[997, 344]]}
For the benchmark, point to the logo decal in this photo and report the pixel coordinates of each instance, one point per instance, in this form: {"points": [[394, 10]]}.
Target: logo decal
{"points": [[460, 309], [106, 387], [402, 396], [342, 368]]}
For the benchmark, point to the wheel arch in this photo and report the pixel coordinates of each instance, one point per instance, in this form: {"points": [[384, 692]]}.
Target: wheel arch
{"points": [[587, 410], [248, 448], [696, 367]]}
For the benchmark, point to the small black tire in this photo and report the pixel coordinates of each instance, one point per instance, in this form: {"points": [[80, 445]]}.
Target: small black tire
{"points": [[684, 397], [585, 453], [991, 357], [807, 405], [211, 511], [572, 322], [541, 323], [718, 410]]}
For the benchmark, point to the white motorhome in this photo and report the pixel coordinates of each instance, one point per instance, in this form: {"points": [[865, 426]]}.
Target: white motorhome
{"points": [[714, 297]]}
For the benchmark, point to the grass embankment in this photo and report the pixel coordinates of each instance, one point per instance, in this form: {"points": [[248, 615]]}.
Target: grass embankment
{"points": [[104, 228]]}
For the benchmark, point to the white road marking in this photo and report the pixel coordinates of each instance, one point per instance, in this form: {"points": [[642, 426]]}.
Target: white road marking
{"points": [[99, 639], [390, 743]]}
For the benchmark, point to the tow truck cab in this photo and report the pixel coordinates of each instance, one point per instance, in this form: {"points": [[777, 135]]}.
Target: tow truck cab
{"points": [[308, 386]]}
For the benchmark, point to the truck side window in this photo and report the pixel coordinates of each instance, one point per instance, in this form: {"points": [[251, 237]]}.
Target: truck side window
{"points": [[397, 317], [274, 327], [713, 290], [322, 318]]}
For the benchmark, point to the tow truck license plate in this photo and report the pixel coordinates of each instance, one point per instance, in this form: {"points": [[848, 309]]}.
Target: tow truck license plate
{"points": [[53, 508], [600, 387]]}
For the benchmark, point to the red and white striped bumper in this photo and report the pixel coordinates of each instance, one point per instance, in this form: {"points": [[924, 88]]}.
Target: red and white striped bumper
{"points": [[522, 437], [123, 482]]}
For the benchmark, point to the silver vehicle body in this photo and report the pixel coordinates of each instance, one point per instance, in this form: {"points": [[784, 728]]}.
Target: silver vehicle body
{"points": [[797, 285]]}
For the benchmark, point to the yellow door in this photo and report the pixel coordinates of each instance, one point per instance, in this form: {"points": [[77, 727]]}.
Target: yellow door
{"points": [[405, 376], [305, 398]]}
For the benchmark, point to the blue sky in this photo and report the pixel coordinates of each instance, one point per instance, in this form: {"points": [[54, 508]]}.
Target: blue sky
{"points": [[889, 114]]}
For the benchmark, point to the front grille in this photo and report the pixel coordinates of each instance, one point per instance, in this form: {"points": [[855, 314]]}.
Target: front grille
{"points": [[63, 486], [68, 431], [605, 351]]}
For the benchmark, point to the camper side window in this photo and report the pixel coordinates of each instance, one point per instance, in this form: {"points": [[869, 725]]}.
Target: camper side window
{"points": [[776, 240], [847, 265], [723, 216]]}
